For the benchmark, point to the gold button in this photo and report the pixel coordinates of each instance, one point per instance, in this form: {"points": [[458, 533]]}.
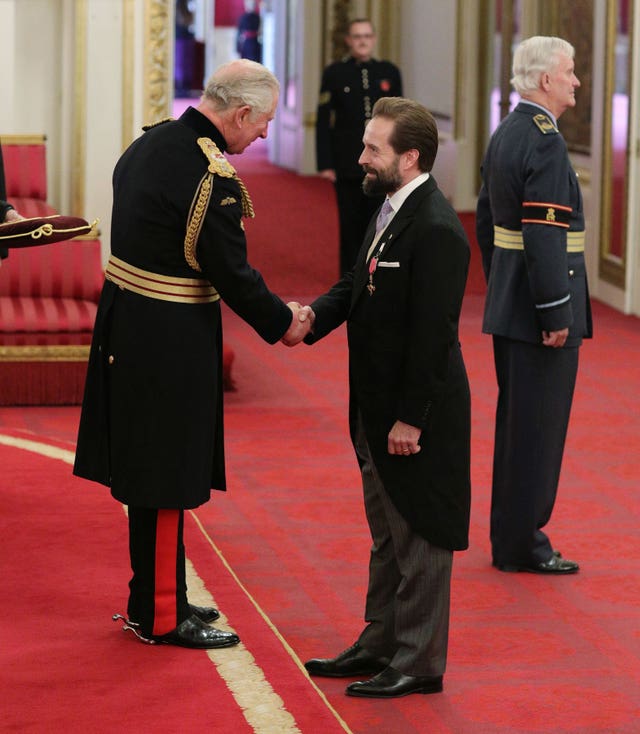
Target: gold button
{"points": [[112, 359]]}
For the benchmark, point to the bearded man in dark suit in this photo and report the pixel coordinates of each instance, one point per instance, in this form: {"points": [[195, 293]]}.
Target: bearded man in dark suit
{"points": [[409, 405]]}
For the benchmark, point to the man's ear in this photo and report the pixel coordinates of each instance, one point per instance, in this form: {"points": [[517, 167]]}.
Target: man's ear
{"points": [[242, 114], [545, 79], [410, 157]]}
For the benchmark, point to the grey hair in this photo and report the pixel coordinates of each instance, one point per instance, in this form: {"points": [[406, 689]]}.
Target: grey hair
{"points": [[242, 82], [533, 57]]}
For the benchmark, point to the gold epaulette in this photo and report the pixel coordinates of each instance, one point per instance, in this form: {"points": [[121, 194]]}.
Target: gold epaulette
{"points": [[544, 124], [155, 124], [218, 166]]}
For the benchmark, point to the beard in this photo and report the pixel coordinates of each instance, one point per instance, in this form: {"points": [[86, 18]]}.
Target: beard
{"points": [[382, 182]]}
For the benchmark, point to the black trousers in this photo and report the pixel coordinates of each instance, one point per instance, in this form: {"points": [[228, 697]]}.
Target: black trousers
{"points": [[158, 589], [355, 210], [535, 392]]}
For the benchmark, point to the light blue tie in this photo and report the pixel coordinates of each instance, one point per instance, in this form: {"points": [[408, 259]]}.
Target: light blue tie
{"points": [[383, 216]]}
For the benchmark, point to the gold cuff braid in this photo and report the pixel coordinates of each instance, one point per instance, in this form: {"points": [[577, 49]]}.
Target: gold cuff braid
{"points": [[218, 165]]}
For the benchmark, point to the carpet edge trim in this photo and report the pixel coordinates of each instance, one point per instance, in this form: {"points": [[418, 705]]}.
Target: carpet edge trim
{"points": [[269, 623]]}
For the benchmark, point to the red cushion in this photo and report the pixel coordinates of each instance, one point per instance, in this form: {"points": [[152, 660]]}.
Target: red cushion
{"points": [[19, 314], [41, 230]]}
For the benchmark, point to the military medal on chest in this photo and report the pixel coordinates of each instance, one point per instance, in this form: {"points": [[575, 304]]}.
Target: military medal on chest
{"points": [[373, 264]]}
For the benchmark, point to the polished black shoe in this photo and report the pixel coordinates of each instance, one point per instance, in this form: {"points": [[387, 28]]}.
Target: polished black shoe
{"points": [[353, 661], [555, 565], [391, 683], [204, 614], [193, 632]]}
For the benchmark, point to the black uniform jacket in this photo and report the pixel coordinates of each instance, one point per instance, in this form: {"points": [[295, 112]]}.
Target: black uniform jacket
{"points": [[405, 361], [530, 189], [151, 425], [348, 91]]}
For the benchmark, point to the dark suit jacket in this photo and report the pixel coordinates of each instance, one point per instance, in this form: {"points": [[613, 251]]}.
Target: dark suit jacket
{"points": [[151, 425], [405, 361]]}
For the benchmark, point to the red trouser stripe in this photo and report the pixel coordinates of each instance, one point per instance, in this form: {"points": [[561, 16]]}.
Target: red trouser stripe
{"points": [[164, 618]]}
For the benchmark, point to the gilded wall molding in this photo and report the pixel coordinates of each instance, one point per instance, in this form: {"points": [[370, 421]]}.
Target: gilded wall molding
{"points": [[45, 353], [157, 57], [613, 255]]}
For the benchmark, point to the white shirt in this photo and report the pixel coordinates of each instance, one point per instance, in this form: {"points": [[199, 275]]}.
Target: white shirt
{"points": [[396, 201]]}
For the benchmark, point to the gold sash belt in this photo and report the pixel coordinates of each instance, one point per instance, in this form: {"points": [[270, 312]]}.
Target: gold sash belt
{"points": [[510, 239], [162, 287]]}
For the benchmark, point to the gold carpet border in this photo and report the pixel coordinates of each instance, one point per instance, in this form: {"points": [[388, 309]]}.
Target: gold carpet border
{"points": [[45, 353], [261, 706], [44, 449], [238, 673]]}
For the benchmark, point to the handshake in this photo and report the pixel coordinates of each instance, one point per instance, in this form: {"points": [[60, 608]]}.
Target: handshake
{"points": [[301, 325]]}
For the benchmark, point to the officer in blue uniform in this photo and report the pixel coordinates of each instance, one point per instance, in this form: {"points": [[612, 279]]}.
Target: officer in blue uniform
{"points": [[530, 228], [348, 92]]}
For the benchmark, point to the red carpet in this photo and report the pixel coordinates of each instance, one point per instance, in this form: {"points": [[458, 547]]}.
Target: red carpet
{"points": [[528, 654]]}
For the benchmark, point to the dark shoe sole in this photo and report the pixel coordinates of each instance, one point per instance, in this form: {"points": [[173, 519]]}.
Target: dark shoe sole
{"points": [[426, 689], [525, 569], [211, 646]]}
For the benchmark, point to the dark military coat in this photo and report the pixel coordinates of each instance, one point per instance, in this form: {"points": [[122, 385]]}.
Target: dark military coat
{"points": [[530, 189], [405, 361], [151, 425], [348, 92]]}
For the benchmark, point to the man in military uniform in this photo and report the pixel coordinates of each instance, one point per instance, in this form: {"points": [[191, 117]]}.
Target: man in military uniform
{"points": [[530, 228], [151, 425], [348, 92]]}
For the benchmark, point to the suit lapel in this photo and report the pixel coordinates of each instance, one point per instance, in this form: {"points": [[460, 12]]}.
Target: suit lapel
{"points": [[390, 236]]}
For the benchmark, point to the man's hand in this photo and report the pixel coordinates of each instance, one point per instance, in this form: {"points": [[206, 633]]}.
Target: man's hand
{"points": [[12, 216], [403, 439], [329, 174], [555, 338], [303, 318]]}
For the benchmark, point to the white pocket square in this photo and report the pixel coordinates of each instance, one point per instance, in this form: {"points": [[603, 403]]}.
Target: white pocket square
{"points": [[386, 264]]}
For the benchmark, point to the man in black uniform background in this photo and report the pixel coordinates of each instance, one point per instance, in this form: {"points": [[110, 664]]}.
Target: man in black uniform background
{"points": [[530, 227], [151, 425], [348, 92]]}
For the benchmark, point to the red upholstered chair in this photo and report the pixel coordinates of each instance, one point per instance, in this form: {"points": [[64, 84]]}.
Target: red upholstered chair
{"points": [[48, 295]]}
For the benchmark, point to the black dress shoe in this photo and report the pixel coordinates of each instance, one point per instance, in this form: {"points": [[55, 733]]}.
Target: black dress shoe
{"points": [[353, 661], [204, 614], [193, 632], [556, 564], [391, 683]]}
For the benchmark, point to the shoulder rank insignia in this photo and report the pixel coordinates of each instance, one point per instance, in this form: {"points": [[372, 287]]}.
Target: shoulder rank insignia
{"points": [[325, 98], [217, 162], [218, 166], [159, 122], [544, 124]]}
